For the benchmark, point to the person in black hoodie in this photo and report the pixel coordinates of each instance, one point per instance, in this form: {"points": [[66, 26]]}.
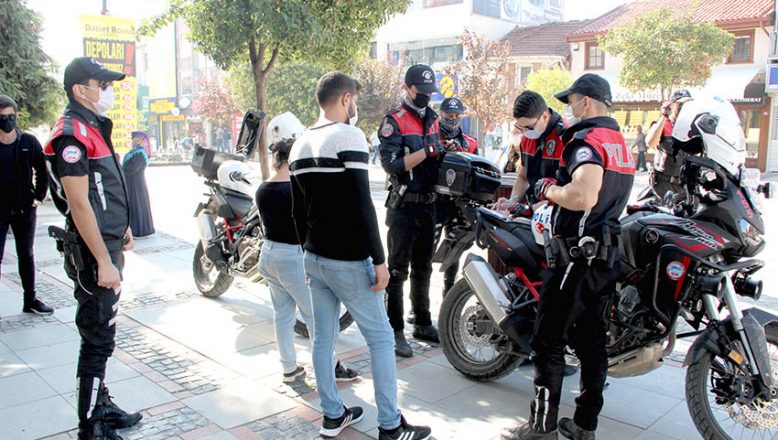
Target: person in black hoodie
{"points": [[23, 184]]}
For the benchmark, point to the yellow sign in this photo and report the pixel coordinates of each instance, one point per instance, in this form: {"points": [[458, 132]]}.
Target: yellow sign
{"points": [[111, 41], [172, 118], [161, 106], [447, 86]]}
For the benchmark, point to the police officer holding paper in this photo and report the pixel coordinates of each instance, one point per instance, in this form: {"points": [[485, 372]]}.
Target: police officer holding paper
{"points": [[88, 188], [410, 147], [593, 184]]}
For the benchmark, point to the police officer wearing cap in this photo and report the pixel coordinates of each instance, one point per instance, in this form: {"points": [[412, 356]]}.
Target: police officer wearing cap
{"points": [[88, 188], [410, 147], [593, 184], [453, 138], [666, 175]]}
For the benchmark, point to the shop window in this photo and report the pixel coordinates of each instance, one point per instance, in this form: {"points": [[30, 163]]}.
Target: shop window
{"points": [[742, 48], [595, 57]]}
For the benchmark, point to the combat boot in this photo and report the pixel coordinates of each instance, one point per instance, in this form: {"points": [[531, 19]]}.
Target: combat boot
{"points": [[113, 416], [525, 432], [571, 430]]}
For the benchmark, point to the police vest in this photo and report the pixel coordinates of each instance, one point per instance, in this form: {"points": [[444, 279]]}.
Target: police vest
{"points": [[540, 157]]}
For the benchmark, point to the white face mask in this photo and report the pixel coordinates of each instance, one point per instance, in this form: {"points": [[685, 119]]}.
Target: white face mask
{"points": [[532, 134], [571, 118], [104, 101], [352, 120]]}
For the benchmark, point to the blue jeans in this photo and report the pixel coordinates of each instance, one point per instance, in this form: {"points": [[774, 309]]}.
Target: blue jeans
{"points": [[282, 266], [332, 282]]}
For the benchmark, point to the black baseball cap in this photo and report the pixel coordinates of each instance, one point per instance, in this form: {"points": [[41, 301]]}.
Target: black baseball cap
{"points": [[591, 85], [84, 68], [422, 76], [452, 105]]}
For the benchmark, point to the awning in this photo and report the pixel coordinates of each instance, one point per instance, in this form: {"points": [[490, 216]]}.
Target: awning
{"points": [[732, 82]]}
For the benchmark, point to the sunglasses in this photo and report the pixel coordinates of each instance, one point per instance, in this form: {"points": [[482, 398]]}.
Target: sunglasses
{"points": [[102, 85], [525, 128]]}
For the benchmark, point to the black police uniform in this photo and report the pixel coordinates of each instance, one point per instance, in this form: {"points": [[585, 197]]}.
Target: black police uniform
{"points": [[666, 175], [412, 221], [574, 295], [80, 145]]}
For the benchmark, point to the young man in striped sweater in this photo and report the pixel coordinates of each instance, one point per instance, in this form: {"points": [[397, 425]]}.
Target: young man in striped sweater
{"points": [[344, 257]]}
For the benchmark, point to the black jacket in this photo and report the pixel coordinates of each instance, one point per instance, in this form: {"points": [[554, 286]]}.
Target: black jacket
{"points": [[28, 156]]}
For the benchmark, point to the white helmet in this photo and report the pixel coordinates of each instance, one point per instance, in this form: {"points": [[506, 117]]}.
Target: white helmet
{"points": [[237, 176], [715, 121], [284, 126]]}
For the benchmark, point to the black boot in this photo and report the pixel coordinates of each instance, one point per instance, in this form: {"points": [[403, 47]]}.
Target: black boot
{"points": [[91, 425], [114, 416], [426, 333], [571, 430]]}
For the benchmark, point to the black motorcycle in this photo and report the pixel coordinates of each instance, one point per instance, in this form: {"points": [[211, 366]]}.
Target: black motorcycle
{"points": [[688, 260], [229, 222]]}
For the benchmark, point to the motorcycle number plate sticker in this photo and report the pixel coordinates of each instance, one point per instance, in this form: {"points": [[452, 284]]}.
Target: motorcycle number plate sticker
{"points": [[675, 270]]}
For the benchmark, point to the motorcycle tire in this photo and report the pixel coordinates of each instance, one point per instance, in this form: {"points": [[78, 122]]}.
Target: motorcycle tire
{"points": [[208, 287], [698, 380], [451, 327], [345, 321]]}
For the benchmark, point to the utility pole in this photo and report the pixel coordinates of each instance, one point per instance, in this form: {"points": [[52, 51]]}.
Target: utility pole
{"points": [[105, 8]]}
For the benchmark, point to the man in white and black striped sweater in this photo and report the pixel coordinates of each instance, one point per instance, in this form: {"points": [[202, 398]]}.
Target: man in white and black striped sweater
{"points": [[344, 257]]}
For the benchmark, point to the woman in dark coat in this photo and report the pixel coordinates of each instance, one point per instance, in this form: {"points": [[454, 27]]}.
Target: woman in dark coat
{"points": [[134, 166]]}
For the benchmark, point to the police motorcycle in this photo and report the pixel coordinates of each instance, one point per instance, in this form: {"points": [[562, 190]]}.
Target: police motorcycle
{"points": [[228, 221], [689, 260]]}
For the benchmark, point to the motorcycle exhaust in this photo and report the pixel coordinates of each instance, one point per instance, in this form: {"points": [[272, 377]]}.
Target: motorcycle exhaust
{"points": [[207, 228], [495, 297]]}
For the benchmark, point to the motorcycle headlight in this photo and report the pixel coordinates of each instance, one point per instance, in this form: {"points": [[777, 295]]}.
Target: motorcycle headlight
{"points": [[749, 234]]}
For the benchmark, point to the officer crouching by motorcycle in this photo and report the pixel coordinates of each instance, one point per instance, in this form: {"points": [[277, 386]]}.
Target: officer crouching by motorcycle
{"points": [[591, 190], [453, 138]]}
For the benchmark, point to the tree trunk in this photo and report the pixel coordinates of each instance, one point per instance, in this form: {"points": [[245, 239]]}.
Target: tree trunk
{"points": [[257, 58]]}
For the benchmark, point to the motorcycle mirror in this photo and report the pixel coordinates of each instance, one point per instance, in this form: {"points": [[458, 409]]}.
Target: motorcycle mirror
{"points": [[647, 193], [769, 189]]}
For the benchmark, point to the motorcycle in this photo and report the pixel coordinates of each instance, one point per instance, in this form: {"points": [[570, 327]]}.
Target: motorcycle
{"points": [[228, 221], [686, 261]]}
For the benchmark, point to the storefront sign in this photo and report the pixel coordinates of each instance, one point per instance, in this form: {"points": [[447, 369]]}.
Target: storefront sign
{"points": [[162, 106], [111, 41]]}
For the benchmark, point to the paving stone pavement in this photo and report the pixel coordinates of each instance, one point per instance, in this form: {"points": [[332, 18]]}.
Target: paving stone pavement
{"points": [[157, 373]]}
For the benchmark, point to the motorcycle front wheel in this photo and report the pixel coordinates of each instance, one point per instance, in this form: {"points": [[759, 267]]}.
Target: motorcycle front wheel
{"points": [[209, 281], [467, 337], [719, 418], [345, 320]]}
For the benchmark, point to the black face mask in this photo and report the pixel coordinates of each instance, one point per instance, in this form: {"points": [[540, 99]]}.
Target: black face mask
{"points": [[421, 100], [7, 123], [450, 126]]}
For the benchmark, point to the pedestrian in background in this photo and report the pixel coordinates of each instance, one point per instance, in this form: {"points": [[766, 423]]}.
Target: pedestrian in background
{"points": [[134, 166], [23, 185], [640, 145], [281, 259], [344, 257]]}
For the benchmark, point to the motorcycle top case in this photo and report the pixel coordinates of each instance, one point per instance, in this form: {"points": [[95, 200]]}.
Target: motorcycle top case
{"points": [[206, 162], [467, 175]]}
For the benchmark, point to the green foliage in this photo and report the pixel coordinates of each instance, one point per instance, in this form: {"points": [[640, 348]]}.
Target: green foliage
{"points": [[381, 90], [24, 68], [663, 50], [549, 82], [292, 88]]}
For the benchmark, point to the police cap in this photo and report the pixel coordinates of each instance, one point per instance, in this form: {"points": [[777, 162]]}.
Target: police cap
{"points": [[422, 76], [84, 68], [591, 85]]}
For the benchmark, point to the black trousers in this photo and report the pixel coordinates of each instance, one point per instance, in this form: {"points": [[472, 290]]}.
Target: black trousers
{"points": [[23, 226], [95, 315], [411, 239], [447, 218], [642, 161], [662, 184], [571, 312]]}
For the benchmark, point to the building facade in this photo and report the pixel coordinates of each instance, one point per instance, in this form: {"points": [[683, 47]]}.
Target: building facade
{"points": [[740, 79]]}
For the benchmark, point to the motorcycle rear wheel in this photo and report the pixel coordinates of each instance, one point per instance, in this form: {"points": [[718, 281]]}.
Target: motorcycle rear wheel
{"points": [[469, 352], [716, 421], [207, 284]]}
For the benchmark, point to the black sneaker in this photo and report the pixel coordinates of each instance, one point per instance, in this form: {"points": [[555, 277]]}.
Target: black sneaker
{"points": [[525, 432], [405, 432], [292, 376], [411, 319], [344, 373], [401, 346], [332, 427], [39, 307], [426, 333], [571, 430]]}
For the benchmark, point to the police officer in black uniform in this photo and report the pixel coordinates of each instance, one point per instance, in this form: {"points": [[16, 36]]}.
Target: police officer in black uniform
{"points": [[410, 146], [666, 175], [592, 187], [88, 187]]}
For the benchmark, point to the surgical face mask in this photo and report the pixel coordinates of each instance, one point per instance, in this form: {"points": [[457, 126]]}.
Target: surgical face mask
{"points": [[570, 116], [105, 100], [352, 120], [450, 125], [7, 123], [421, 100]]}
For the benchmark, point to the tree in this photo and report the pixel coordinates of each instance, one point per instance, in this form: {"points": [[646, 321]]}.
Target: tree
{"points": [[24, 68], [381, 90], [664, 50], [485, 76], [548, 83], [292, 88], [264, 31], [214, 103]]}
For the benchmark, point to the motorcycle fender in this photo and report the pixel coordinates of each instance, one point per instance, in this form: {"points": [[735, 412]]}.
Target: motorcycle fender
{"points": [[754, 322], [713, 339], [200, 209]]}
